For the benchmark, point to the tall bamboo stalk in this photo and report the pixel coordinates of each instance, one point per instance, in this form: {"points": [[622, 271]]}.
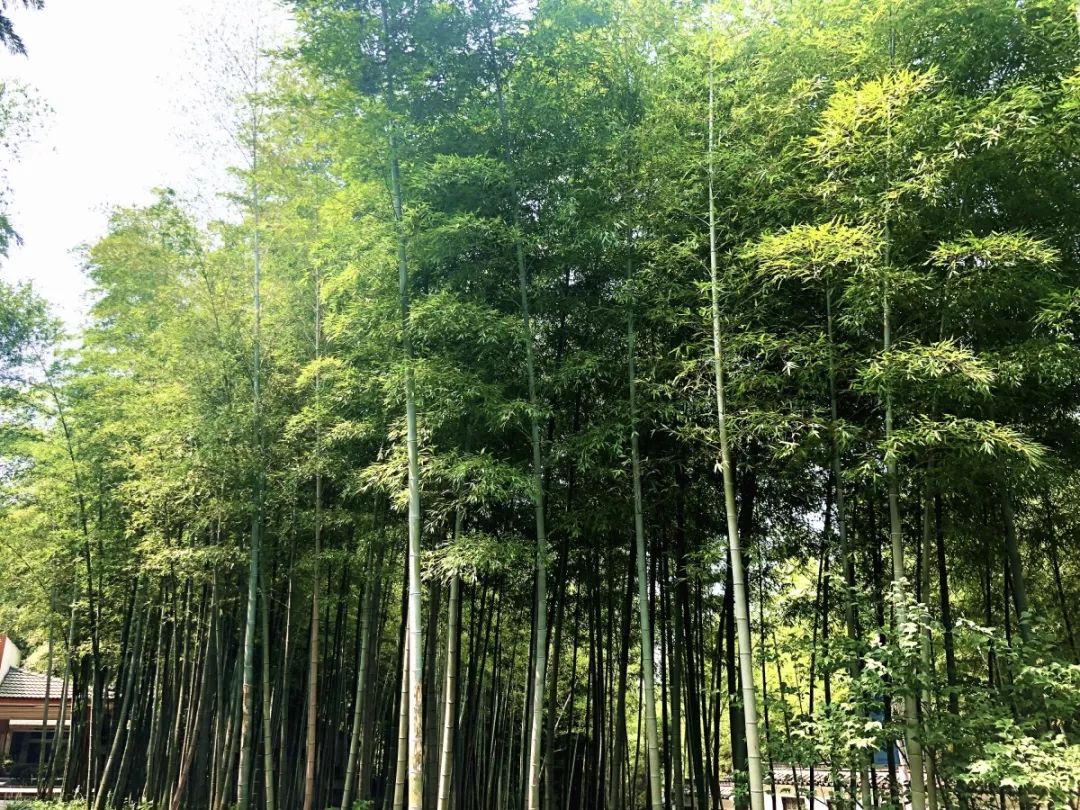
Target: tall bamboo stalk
{"points": [[648, 681], [102, 792], [899, 577], [194, 724], [896, 539], [401, 771], [540, 644], [450, 688], [243, 781], [925, 655], [359, 698], [738, 577], [1017, 581], [848, 566], [267, 715], [68, 654], [415, 764], [43, 742], [313, 648]]}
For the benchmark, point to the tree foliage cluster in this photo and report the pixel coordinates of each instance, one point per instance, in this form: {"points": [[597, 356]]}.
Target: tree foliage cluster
{"points": [[610, 403]]}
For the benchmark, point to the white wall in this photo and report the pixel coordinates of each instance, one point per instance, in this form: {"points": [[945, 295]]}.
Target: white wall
{"points": [[11, 657]]}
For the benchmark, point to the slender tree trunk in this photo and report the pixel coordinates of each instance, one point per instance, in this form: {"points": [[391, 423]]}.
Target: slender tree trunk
{"points": [[432, 731], [68, 670], [1055, 565], [648, 681], [684, 639], [414, 681], [401, 772], [450, 688], [177, 705], [677, 767], [416, 649], [247, 731], [539, 654], [369, 738], [899, 576], [359, 701], [620, 747], [267, 719], [219, 743], [764, 679], [1017, 582], [43, 742], [540, 637], [102, 792], [896, 538], [659, 609], [847, 563], [233, 734], [76, 729], [415, 646], [877, 564], [946, 610], [925, 656], [553, 686], [716, 712], [155, 709], [194, 726], [282, 702], [787, 720], [313, 647], [741, 603], [568, 781], [988, 617], [823, 558], [736, 722]]}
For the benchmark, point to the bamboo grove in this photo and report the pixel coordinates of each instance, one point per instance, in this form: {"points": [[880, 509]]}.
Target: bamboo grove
{"points": [[606, 404]]}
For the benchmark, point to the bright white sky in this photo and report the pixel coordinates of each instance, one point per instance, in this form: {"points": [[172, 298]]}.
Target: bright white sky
{"points": [[122, 79]]}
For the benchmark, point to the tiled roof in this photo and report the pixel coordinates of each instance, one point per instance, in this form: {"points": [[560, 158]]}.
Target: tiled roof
{"points": [[823, 776], [22, 683]]}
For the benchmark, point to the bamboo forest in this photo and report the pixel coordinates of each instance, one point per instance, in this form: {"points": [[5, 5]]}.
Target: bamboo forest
{"points": [[578, 404]]}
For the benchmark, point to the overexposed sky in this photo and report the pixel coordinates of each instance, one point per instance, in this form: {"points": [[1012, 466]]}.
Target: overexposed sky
{"points": [[129, 83]]}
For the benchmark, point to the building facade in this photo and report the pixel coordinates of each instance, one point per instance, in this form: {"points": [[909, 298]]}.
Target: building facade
{"points": [[30, 705]]}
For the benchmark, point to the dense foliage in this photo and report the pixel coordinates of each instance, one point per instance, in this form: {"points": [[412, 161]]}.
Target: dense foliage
{"points": [[374, 495]]}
